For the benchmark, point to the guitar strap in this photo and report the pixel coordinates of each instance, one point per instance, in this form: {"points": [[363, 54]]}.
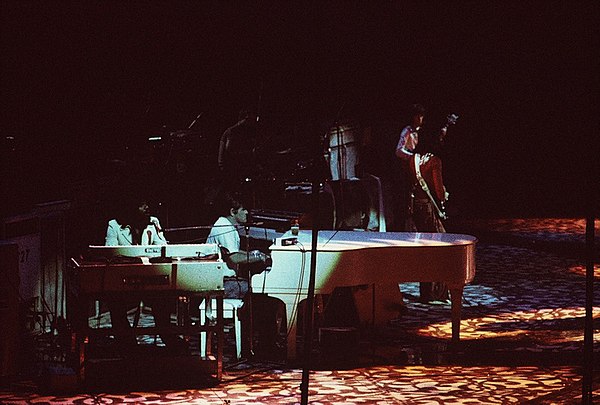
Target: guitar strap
{"points": [[425, 187]]}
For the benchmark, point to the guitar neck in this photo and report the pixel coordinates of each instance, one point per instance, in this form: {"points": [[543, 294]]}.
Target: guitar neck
{"points": [[450, 120]]}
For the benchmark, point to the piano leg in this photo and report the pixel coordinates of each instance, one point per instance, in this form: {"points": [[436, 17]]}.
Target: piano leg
{"points": [[456, 299], [292, 325]]}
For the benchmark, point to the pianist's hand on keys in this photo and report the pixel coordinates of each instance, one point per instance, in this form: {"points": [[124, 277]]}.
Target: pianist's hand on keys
{"points": [[256, 256]]}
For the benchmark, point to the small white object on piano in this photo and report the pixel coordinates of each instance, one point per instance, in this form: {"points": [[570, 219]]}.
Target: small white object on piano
{"points": [[286, 241]]}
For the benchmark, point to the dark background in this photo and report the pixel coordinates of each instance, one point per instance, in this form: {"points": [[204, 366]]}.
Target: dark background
{"points": [[85, 84]]}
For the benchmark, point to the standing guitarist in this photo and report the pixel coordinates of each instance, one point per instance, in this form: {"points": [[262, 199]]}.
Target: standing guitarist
{"points": [[426, 191], [409, 136]]}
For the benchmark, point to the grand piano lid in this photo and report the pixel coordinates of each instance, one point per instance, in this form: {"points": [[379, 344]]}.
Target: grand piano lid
{"points": [[329, 240]]}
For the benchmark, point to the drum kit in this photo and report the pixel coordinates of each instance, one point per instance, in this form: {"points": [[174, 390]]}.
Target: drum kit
{"points": [[189, 157], [178, 151]]}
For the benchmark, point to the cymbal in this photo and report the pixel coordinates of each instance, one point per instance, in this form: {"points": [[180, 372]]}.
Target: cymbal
{"points": [[292, 150], [287, 151]]}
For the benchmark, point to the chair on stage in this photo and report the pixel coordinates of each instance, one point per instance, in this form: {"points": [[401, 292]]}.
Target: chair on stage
{"points": [[231, 307]]}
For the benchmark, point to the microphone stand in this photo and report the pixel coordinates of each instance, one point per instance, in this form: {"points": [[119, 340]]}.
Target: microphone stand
{"points": [[249, 298], [310, 299]]}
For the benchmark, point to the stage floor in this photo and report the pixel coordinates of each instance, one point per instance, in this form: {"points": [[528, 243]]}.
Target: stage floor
{"points": [[521, 340]]}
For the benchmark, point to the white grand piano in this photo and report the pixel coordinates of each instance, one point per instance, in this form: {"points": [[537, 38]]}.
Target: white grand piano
{"points": [[378, 259]]}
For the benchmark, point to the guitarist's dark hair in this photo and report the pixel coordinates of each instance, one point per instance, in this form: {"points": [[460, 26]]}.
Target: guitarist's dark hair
{"points": [[416, 109]]}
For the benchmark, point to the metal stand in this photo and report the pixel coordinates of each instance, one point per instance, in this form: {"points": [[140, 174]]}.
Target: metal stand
{"points": [[588, 336], [249, 297], [310, 299]]}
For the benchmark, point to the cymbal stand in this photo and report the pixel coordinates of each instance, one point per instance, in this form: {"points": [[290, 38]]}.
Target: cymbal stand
{"points": [[341, 165], [341, 156]]}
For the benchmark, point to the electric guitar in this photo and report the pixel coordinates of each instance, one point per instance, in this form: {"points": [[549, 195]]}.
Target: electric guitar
{"points": [[450, 120], [438, 205]]}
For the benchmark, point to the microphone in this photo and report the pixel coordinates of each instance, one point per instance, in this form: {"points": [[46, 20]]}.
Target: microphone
{"points": [[254, 223]]}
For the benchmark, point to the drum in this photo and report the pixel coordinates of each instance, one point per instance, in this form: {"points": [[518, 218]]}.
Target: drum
{"points": [[342, 151]]}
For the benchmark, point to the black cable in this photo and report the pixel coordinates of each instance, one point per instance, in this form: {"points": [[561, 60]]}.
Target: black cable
{"points": [[299, 288], [331, 237]]}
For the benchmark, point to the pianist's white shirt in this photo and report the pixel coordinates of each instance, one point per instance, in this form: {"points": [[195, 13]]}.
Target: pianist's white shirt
{"points": [[225, 234]]}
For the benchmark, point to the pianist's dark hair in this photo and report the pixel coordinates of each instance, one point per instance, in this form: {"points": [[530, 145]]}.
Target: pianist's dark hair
{"points": [[245, 113], [230, 201], [127, 213]]}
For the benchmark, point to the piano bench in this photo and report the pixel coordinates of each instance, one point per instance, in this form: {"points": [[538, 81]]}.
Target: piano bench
{"points": [[230, 311]]}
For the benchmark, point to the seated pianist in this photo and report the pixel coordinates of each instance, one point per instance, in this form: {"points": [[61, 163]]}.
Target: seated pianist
{"points": [[135, 226], [266, 311], [224, 233]]}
